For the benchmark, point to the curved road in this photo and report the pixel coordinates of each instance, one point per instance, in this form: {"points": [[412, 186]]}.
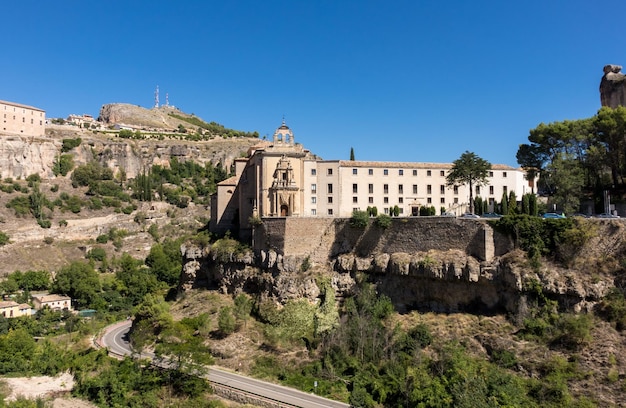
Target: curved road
{"points": [[115, 339]]}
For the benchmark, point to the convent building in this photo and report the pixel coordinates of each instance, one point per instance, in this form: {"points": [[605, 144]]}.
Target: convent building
{"points": [[280, 178]]}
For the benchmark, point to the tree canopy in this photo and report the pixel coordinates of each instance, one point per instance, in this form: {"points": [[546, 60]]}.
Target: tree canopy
{"points": [[577, 158], [469, 169]]}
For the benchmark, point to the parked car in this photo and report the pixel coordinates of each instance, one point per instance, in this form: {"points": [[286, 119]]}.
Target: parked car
{"points": [[606, 215], [491, 215], [448, 214], [581, 215], [469, 215], [553, 215]]}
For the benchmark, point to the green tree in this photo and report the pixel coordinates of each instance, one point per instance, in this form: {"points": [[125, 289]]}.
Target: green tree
{"points": [[226, 321], [471, 170], [504, 204], [81, 282], [165, 261], [351, 154]]}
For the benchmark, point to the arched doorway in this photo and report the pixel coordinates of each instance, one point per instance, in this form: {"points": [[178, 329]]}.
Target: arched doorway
{"points": [[284, 210]]}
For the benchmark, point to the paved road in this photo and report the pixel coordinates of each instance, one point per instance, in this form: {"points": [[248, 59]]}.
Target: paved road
{"points": [[115, 339]]}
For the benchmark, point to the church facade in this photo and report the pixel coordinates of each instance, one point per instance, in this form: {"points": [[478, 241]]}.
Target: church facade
{"points": [[280, 178]]}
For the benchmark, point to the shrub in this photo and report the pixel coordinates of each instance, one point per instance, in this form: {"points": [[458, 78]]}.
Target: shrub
{"points": [[97, 254], [44, 223], [383, 221], [63, 223], [69, 144], [48, 240], [4, 238], [54, 188], [359, 219], [102, 239]]}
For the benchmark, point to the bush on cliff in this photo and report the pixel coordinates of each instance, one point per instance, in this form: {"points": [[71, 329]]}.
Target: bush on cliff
{"points": [[359, 219]]}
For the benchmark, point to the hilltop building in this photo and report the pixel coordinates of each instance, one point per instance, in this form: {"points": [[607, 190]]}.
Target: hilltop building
{"points": [[280, 178], [22, 119]]}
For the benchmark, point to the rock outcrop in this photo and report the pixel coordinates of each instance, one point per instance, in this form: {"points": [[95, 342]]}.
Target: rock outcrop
{"points": [[21, 156], [137, 116], [613, 87], [419, 274]]}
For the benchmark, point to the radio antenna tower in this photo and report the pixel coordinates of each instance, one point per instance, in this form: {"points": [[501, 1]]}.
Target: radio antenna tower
{"points": [[156, 97]]}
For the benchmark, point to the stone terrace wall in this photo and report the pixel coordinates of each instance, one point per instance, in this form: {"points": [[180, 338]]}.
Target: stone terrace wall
{"points": [[325, 238]]}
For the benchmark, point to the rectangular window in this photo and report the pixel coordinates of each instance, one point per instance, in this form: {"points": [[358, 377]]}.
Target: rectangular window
{"points": [[330, 200], [400, 189], [414, 188], [442, 189], [370, 188], [385, 188], [456, 189], [477, 190], [442, 173], [329, 172], [456, 200], [428, 173], [386, 200], [330, 211], [400, 200], [429, 189], [385, 172], [330, 188], [370, 172], [504, 190], [387, 210], [313, 172], [313, 200], [491, 190], [415, 172], [355, 188], [504, 174], [370, 200], [443, 200], [313, 188], [355, 171], [401, 210], [355, 199], [429, 200], [313, 211], [400, 172], [491, 174]]}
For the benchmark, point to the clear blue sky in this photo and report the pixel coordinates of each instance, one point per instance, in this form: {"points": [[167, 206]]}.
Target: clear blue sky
{"points": [[396, 80]]}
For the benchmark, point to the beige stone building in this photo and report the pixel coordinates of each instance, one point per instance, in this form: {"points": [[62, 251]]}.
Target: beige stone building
{"points": [[22, 119], [9, 309], [282, 179], [54, 302]]}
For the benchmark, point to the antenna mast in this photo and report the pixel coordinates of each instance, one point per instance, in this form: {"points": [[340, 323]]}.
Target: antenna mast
{"points": [[156, 97]]}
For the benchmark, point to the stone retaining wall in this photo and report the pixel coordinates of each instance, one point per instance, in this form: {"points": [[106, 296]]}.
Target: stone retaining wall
{"points": [[323, 238]]}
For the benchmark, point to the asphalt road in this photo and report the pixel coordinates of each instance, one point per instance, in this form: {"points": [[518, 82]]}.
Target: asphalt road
{"points": [[114, 338]]}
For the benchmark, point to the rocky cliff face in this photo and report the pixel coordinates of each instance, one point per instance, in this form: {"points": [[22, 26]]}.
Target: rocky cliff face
{"points": [[448, 280], [132, 115], [21, 156]]}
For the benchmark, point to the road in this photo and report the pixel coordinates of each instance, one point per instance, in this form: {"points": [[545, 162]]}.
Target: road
{"points": [[115, 339]]}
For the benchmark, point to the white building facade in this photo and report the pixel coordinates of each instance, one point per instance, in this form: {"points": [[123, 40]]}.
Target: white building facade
{"points": [[280, 178]]}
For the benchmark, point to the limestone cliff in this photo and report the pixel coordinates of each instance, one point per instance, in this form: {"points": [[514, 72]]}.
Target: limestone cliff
{"points": [[21, 156], [442, 279]]}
